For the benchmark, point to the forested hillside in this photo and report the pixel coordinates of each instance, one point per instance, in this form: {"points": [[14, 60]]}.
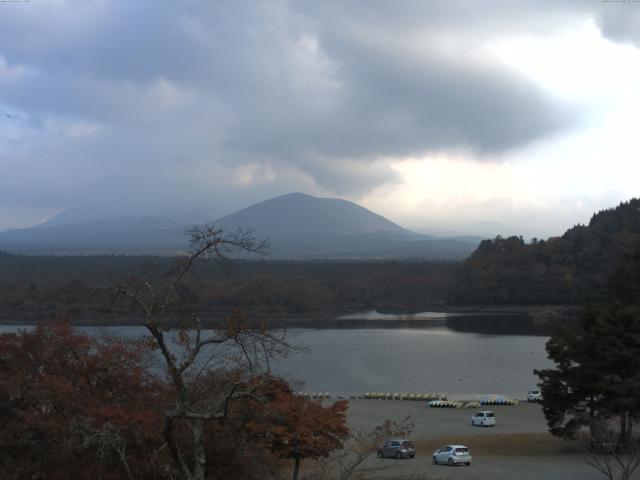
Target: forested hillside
{"points": [[572, 269], [38, 288], [568, 270]]}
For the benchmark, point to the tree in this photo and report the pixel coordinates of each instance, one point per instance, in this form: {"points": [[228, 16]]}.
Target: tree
{"points": [[612, 462], [573, 391], [297, 428], [343, 464], [72, 406], [597, 374], [237, 347]]}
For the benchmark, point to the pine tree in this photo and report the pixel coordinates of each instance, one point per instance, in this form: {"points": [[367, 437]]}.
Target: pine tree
{"points": [[597, 374]]}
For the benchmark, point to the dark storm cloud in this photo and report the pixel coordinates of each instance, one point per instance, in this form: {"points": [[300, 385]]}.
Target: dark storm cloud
{"points": [[396, 103], [391, 92], [620, 21], [167, 101]]}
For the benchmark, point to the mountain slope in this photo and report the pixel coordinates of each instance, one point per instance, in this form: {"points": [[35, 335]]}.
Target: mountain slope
{"points": [[298, 215], [572, 269], [303, 226], [299, 226], [127, 234]]}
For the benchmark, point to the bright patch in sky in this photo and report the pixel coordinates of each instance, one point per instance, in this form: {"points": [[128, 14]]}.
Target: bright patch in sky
{"points": [[548, 186]]}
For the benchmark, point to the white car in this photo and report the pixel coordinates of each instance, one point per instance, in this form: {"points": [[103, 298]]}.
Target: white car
{"points": [[534, 395], [483, 419], [452, 455]]}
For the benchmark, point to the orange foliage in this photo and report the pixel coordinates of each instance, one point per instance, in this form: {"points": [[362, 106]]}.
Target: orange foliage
{"points": [[297, 428], [74, 406], [70, 403]]}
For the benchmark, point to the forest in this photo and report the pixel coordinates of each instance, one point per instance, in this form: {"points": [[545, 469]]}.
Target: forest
{"points": [[124, 422], [39, 288], [569, 270], [80, 406]]}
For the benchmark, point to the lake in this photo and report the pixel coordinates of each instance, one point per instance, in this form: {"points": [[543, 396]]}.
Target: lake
{"points": [[433, 358]]}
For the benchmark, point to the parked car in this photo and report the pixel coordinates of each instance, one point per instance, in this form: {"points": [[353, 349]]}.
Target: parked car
{"points": [[397, 448], [485, 418], [452, 455], [534, 395]]}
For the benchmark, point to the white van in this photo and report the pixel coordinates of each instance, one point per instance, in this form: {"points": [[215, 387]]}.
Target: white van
{"points": [[534, 395], [485, 418]]}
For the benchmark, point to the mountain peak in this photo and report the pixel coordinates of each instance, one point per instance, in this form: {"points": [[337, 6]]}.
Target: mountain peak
{"points": [[300, 215], [295, 195]]}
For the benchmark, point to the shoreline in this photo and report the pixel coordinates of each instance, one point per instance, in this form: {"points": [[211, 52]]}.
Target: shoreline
{"points": [[539, 313], [495, 320]]}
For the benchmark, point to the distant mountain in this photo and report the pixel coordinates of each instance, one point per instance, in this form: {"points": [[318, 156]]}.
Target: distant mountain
{"points": [[303, 226], [298, 215], [197, 216], [571, 269], [297, 225], [74, 216], [80, 215], [467, 238], [128, 234]]}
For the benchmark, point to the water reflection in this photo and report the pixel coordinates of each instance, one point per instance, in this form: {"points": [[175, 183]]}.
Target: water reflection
{"points": [[504, 324], [489, 323], [375, 315]]}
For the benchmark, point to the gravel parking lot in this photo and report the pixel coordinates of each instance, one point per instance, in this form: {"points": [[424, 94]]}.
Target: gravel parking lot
{"points": [[518, 447]]}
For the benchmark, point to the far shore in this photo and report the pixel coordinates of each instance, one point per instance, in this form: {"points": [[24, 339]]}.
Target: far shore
{"points": [[495, 319]]}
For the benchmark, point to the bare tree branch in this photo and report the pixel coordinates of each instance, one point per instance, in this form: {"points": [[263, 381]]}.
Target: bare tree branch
{"points": [[248, 345]]}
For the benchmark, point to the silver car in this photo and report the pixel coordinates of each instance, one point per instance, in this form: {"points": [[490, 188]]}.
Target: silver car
{"points": [[452, 455], [397, 448], [485, 418]]}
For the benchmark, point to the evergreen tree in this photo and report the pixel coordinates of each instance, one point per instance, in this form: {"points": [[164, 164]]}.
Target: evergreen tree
{"points": [[597, 374]]}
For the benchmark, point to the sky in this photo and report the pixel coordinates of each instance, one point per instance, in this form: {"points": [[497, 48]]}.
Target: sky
{"points": [[452, 116]]}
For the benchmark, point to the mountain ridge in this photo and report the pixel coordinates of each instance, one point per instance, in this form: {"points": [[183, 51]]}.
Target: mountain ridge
{"points": [[298, 225]]}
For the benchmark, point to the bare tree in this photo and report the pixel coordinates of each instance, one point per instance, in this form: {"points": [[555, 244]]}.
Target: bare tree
{"points": [[345, 463], [237, 345], [615, 461]]}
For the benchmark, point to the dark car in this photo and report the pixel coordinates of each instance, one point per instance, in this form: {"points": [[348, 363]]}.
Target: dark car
{"points": [[397, 448]]}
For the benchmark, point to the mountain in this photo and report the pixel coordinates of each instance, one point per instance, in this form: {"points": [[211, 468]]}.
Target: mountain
{"points": [[298, 226], [89, 214], [197, 216], [572, 269], [303, 226], [127, 234], [298, 215], [76, 215]]}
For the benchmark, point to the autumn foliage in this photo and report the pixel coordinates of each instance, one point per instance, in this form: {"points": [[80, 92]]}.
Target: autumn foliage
{"points": [[72, 406], [297, 428], [75, 406]]}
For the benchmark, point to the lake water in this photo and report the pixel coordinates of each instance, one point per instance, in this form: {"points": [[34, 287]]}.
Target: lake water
{"points": [[427, 359], [416, 360]]}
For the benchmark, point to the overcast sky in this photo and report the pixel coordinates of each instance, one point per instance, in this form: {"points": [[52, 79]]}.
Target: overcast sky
{"points": [[437, 114]]}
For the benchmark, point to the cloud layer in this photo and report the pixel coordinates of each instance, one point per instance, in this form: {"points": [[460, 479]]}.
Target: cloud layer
{"points": [[175, 104]]}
